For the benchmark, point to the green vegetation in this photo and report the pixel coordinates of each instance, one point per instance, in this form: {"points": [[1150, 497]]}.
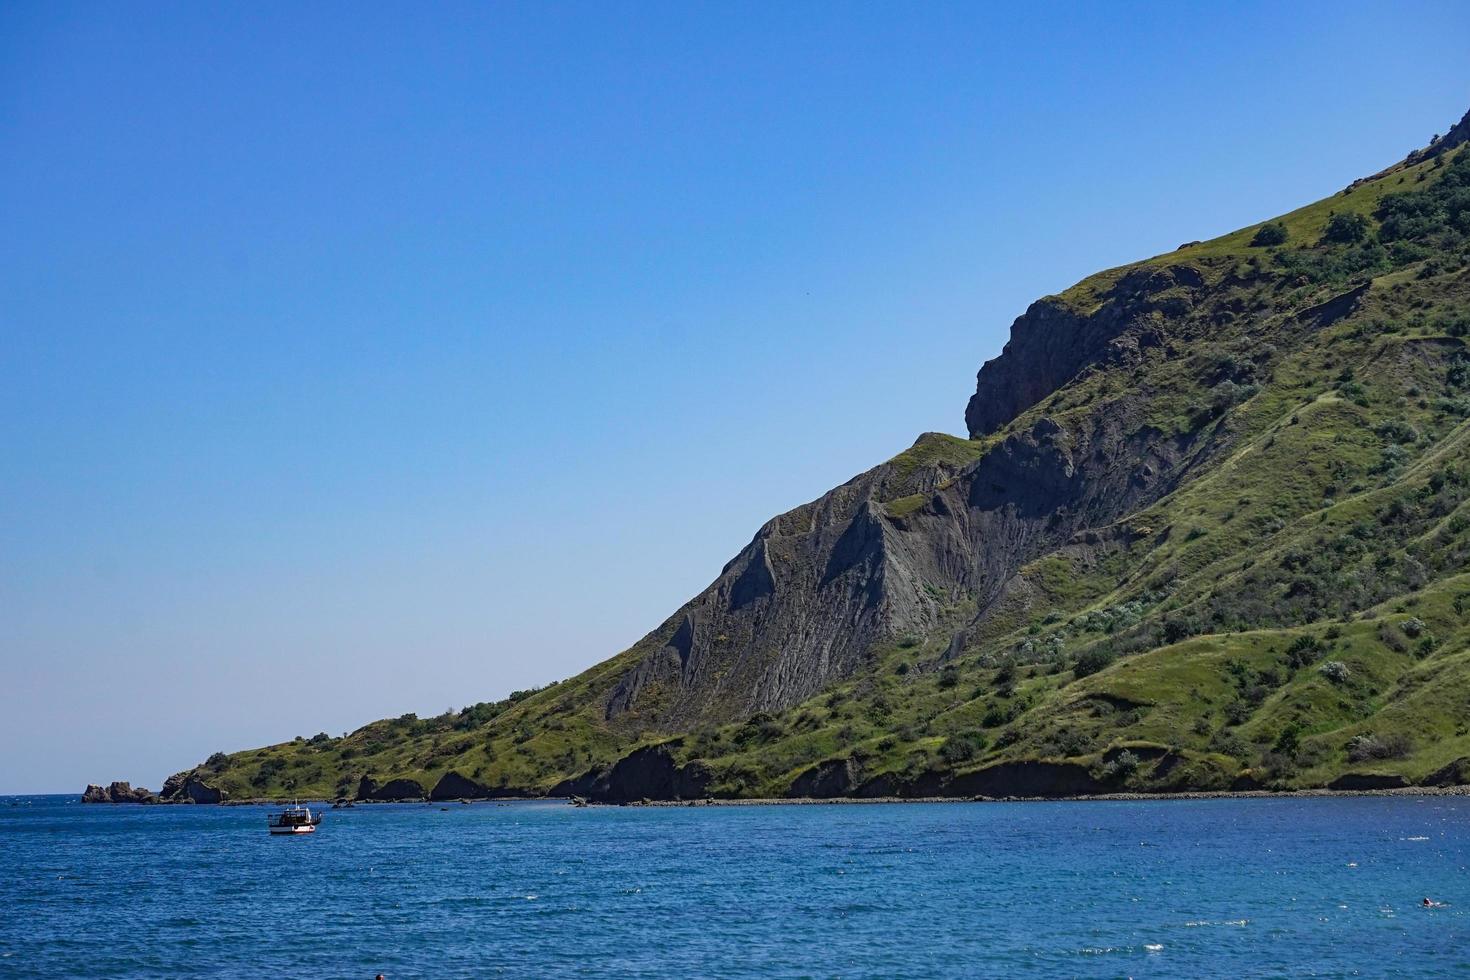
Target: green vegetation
{"points": [[1270, 234], [1297, 609]]}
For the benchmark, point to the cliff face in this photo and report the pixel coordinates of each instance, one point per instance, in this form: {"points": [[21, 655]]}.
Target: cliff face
{"points": [[1052, 342], [884, 555]]}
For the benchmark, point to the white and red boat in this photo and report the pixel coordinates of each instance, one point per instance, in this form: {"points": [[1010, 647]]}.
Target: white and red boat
{"points": [[294, 819]]}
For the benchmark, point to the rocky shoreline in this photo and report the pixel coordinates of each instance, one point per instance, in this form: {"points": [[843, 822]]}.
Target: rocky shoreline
{"points": [[126, 794], [1255, 794], [183, 787]]}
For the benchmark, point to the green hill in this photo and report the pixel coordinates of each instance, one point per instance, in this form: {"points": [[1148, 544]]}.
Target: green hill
{"points": [[1208, 530]]}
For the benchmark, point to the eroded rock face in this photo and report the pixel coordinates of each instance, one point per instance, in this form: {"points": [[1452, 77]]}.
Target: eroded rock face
{"points": [[198, 791], [826, 781], [648, 773], [453, 786], [190, 787], [1052, 342], [1456, 773], [118, 792], [394, 790], [803, 604]]}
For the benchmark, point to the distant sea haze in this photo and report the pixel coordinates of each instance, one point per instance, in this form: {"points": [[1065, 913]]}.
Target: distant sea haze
{"points": [[1224, 887]]}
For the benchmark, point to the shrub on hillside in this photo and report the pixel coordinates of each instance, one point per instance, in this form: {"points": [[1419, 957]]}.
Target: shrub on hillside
{"points": [[1361, 748], [1304, 650], [1271, 233], [962, 748], [997, 715], [1092, 661], [1345, 228], [267, 769], [1335, 671], [1067, 743], [1397, 431], [1122, 765]]}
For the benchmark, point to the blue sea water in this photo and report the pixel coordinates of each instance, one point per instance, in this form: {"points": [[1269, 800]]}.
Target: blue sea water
{"points": [[1254, 887]]}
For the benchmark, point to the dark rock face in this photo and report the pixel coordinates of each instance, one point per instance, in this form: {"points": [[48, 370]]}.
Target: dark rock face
{"points": [[1368, 780], [1456, 773], [393, 790], [1051, 342], [805, 601], [118, 792], [174, 785], [453, 786], [648, 773], [579, 786], [825, 781], [198, 791], [189, 787], [802, 605], [1245, 782]]}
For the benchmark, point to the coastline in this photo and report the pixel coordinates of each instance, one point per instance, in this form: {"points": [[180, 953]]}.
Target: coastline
{"points": [[1255, 794]]}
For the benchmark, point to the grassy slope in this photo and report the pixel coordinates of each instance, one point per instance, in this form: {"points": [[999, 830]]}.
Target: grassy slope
{"points": [[1336, 531]]}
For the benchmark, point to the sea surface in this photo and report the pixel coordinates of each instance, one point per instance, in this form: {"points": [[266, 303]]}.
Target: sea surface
{"points": [[1230, 887]]}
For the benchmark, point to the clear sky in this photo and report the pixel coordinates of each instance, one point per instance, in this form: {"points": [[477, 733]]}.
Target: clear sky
{"points": [[376, 358]]}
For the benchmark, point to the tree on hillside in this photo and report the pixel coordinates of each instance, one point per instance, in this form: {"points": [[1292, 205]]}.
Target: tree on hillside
{"points": [[1271, 233], [1345, 227]]}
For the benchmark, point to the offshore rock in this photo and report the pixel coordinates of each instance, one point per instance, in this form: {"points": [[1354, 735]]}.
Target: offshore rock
{"points": [[118, 792]]}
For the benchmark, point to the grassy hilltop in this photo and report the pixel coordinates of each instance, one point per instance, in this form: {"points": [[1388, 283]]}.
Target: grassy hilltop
{"points": [[1228, 546]]}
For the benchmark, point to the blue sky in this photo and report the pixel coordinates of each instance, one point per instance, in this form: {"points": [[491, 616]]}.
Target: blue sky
{"points": [[380, 358]]}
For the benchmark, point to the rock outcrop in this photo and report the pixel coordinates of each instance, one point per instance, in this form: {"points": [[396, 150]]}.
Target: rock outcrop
{"points": [[190, 787], [393, 791], [805, 601], [1456, 773], [118, 792], [453, 786], [1052, 342], [649, 773], [826, 781]]}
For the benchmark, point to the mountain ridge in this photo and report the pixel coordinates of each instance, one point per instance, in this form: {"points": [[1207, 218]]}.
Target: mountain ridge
{"points": [[1119, 580]]}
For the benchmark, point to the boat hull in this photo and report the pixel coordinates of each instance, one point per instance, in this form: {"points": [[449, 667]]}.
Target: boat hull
{"points": [[306, 829]]}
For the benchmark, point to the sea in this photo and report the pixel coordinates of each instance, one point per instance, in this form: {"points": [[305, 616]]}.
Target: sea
{"points": [[1329, 887]]}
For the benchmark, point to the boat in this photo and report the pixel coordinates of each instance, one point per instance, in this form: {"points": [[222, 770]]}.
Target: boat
{"points": [[294, 819]]}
